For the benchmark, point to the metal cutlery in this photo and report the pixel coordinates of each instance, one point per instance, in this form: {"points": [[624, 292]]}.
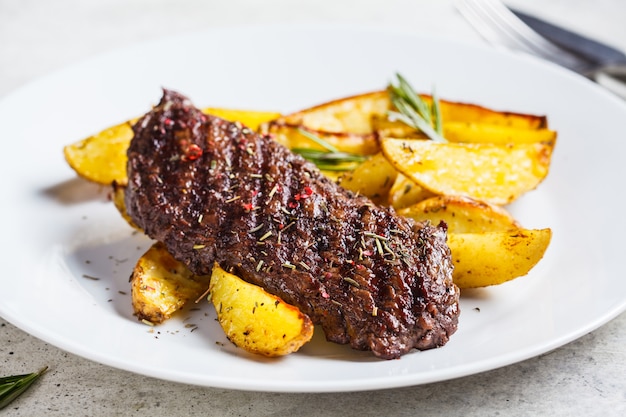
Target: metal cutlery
{"points": [[518, 31]]}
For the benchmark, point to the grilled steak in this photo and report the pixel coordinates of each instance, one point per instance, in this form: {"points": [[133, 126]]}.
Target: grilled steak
{"points": [[215, 191]]}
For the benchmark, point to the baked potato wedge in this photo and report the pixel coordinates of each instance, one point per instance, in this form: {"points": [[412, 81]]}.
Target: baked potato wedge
{"points": [[405, 192], [473, 113], [466, 132], [373, 178], [488, 245], [473, 132], [251, 318], [462, 214], [160, 285], [355, 113], [492, 258], [353, 124], [255, 320], [101, 158], [348, 114], [497, 174]]}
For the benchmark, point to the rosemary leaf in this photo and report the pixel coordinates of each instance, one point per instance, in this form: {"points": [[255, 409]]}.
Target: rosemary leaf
{"points": [[330, 160], [335, 168], [324, 144], [12, 387], [11, 379], [415, 112], [414, 100], [437, 113], [337, 157]]}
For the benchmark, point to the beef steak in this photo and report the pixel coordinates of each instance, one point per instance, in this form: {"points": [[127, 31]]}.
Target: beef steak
{"points": [[215, 191]]}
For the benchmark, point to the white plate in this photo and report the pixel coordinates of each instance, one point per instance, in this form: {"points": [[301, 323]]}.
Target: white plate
{"points": [[56, 229]]}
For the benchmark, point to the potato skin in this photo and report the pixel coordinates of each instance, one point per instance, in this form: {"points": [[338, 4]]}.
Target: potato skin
{"points": [[497, 174], [373, 178], [160, 285], [462, 214], [101, 158], [492, 258], [255, 320], [252, 319]]}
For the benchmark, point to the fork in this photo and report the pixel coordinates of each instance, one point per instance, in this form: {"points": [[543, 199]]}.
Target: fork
{"points": [[498, 25]]}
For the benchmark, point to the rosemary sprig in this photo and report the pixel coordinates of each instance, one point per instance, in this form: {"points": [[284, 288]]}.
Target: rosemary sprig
{"points": [[331, 159], [13, 386], [414, 111], [324, 144], [436, 109]]}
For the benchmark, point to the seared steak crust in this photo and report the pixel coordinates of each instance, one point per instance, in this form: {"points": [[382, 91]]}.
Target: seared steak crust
{"points": [[214, 191]]}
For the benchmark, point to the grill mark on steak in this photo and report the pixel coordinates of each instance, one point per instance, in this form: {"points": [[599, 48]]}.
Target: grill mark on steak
{"points": [[214, 191]]}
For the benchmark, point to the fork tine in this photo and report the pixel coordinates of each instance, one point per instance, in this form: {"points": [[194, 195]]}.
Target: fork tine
{"points": [[489, 29], [496, 23]]}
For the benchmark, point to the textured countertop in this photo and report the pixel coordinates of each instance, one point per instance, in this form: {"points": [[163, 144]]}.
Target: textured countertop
{"points": [[586, 377]]}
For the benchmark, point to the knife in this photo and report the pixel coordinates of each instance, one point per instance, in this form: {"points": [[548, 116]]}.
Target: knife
{"points": [[606, 65]]}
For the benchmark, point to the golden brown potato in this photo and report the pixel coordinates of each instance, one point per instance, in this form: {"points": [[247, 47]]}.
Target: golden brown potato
{"points": [[349, 114], [491, 258], [488, 245], [101, 158], [255, 320], [373, 178], [467, 112], [472, 132], [466, 132], [355, 114], [462, 214], [354, 124], [497, 174], [160, 285], [405, 192]]}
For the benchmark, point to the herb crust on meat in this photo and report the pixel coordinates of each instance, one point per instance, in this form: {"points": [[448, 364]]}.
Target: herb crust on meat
{"points": [[215, 191]]}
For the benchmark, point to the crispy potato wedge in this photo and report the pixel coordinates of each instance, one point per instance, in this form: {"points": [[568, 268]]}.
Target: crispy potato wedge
{"points": [[488, 245], [344, 123], [160, 285], [467, 132], [354, 114], [492, 258], [462, 214], [255, 320], [405, 192], [373, 178], [101, 158], [473, 113], [497, 174], [353, 124], [472, 132], [349, 114]]}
